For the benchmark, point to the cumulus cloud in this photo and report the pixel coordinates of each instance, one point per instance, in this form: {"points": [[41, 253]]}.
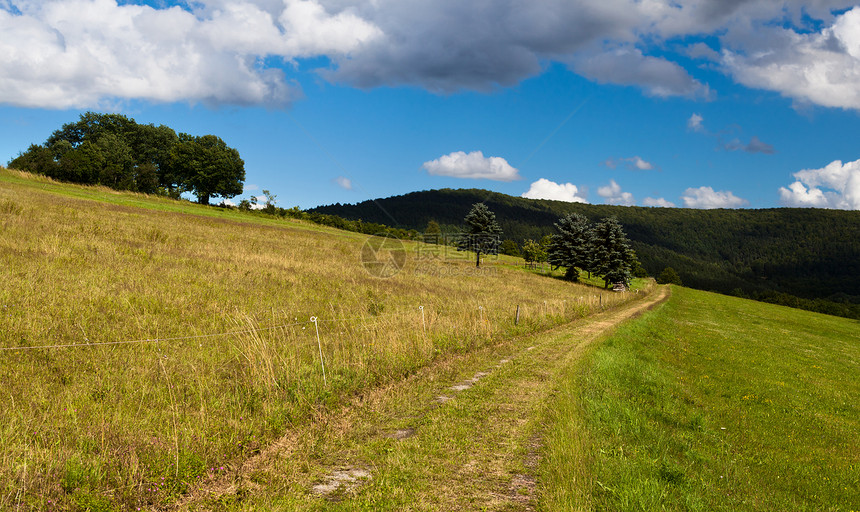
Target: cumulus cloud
{"points": [[702, 51], [835, 186], [259, 203], [695, 123], [84, 53], [612, 194], [820, 67], [629, 66], [472, 165], [640, 164], [707, 198], [343, 182], [546, 189], [634, 163], [658, 202]]}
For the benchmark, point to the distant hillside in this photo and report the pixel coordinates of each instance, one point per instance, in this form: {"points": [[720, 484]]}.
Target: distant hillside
{"points": [[767, 254]]}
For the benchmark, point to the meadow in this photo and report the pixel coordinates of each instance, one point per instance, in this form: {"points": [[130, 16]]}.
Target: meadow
{"points": [[710, 403], [148, 346]]}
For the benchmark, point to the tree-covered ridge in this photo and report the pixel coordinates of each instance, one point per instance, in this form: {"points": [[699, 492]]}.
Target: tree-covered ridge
{"points": [[115, 151], [796, 256]]}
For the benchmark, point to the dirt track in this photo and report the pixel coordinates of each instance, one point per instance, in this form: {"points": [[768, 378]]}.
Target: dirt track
{"points": [[464, 434]]}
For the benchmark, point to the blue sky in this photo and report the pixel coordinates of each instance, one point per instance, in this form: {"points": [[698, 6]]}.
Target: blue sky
{"points": [[698, 103]]}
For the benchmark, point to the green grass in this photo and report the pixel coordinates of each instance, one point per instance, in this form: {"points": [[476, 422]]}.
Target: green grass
{"points": [[138, 425], [476, 451], [711, 403]]}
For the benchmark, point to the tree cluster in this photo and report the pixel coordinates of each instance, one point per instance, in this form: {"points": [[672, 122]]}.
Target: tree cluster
{"points": [[115, 151], [804, 256], [602, 249]]}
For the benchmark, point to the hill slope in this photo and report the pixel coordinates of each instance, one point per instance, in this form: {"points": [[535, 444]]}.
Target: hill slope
{"points": [[808, 253], [148, 345]]}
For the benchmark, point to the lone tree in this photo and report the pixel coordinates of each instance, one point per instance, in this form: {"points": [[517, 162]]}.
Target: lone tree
{"points": [[572, 247], [534, 252], [613, 257], [483, 233], [207, 166], [510, 248], [669, 276]]}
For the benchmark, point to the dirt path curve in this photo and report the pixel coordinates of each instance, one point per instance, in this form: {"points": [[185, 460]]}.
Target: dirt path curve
{"points": [[460, 435]]}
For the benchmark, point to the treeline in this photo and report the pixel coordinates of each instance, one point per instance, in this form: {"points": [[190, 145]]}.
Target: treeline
{"points": [[115, 151], [807, 258], [324, 219]]}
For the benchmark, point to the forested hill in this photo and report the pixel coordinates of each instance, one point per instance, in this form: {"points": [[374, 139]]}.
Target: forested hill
{"points": [[807, 253]]}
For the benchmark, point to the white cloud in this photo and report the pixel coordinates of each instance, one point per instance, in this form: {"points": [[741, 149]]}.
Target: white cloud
{"points": [[87, 53], [695, 123], [629, 66], [706, 197], [612, 194], [835, 186], [344, 182], [634, 163], [261, 203], [820, 67], [472, 165], [702, 51], [658, 202], [640, 164], [310, 30], [546, 189]]}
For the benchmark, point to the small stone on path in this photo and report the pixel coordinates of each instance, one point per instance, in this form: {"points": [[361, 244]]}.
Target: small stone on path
{"points": [[345, 478]]}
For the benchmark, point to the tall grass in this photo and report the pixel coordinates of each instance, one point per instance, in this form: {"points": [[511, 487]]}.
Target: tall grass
{"points": [[132, 425], [712, 403]]}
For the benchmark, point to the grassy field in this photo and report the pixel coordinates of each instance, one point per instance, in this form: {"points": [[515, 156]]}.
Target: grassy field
{"points": [[212, 354], [711, 403]]}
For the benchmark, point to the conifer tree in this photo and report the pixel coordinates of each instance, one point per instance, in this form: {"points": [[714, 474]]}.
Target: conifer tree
{"points": [[613, 257], [483, 234], [572, 246]]}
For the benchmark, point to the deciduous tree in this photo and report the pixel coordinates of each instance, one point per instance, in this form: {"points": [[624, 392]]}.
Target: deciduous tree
{"points": [[207, 166]]}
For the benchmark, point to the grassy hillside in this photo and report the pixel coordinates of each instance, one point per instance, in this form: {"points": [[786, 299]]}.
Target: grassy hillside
{"points": [[711, 403], [806, 253], [192, 346]]}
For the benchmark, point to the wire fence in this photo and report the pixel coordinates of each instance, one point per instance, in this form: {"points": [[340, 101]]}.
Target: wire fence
{"points": [[481, 312]]}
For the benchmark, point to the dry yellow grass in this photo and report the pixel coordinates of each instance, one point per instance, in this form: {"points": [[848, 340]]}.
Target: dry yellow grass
{"points": [[135, 425]]}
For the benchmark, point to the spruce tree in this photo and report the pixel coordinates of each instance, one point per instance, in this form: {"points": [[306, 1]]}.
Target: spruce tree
{"points": [[572, 246], [613, 257], [483, 234]]}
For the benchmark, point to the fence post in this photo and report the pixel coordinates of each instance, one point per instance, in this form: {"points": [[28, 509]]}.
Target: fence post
{"points": [[319, 344], [517, 319]]}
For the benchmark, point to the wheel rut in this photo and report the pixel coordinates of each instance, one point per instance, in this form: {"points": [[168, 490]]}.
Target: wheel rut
{"points": [[473, 442]]}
